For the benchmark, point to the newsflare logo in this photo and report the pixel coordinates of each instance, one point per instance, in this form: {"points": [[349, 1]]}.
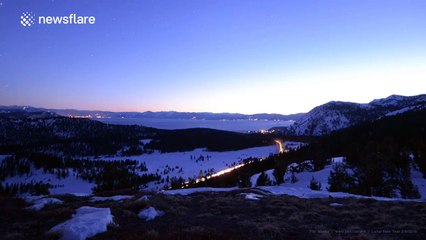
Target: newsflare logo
{"points": [[29, 19]]}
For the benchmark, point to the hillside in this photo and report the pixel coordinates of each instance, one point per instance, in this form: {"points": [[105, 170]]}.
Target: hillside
{"points": [[46, 132], [338, 115], [366, 170], [68, 136], [385, 157]]}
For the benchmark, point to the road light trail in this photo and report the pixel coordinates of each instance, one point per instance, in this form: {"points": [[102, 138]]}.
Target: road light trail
{"points": [[203, 179], [280, 146], [228, 170]]}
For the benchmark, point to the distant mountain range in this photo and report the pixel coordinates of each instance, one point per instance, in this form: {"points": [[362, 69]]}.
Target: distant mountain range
{"points": [[338, 115], [320, 120], [150, 114]]}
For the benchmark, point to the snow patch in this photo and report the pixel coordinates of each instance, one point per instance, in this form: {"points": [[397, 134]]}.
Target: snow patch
{"points": [[40, 201], [87, 222], [144, 198], [338, 160], [308, 193], [150, 214], [252, 196], [336, 204]]}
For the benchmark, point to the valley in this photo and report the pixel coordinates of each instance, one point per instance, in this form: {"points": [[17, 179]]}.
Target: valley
{"points": [[76, 164], [205, 120]]}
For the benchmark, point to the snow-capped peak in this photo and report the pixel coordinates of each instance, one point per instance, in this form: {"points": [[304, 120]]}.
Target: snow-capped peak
{"points": [[336, 115]]}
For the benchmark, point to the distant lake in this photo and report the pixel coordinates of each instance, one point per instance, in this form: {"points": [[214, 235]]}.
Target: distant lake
{"points": [[228, 125]]}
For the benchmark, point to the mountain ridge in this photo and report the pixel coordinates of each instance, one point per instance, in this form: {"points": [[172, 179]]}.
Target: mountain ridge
{"points": [[157, 114], [336, 115]]}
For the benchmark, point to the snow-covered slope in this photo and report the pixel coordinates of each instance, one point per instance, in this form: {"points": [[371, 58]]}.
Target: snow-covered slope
{"points": [[300, 186], [338, 115], [190, 164], [185, 165], [329, 117], [70, 184]]}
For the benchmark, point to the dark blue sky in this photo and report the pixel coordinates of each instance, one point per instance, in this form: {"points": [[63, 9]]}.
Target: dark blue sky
{"points": [[244, 56]]}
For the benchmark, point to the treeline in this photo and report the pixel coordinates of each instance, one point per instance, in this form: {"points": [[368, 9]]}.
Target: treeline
{"points": [[107, 175], [69, 136], [38, 188], [241, 176], [379, 155], [211, 139]]}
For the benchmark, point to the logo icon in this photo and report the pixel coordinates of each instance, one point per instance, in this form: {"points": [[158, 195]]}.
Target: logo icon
{"points": [[27, 19]]}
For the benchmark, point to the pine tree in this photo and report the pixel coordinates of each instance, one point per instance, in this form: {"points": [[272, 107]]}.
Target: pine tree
{"points": [[293, 178], [263, 180], [315, 184], [339, 180]]}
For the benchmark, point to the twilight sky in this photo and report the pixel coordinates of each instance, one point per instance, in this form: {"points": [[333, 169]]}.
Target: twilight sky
{"points": [[247, 56]]}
